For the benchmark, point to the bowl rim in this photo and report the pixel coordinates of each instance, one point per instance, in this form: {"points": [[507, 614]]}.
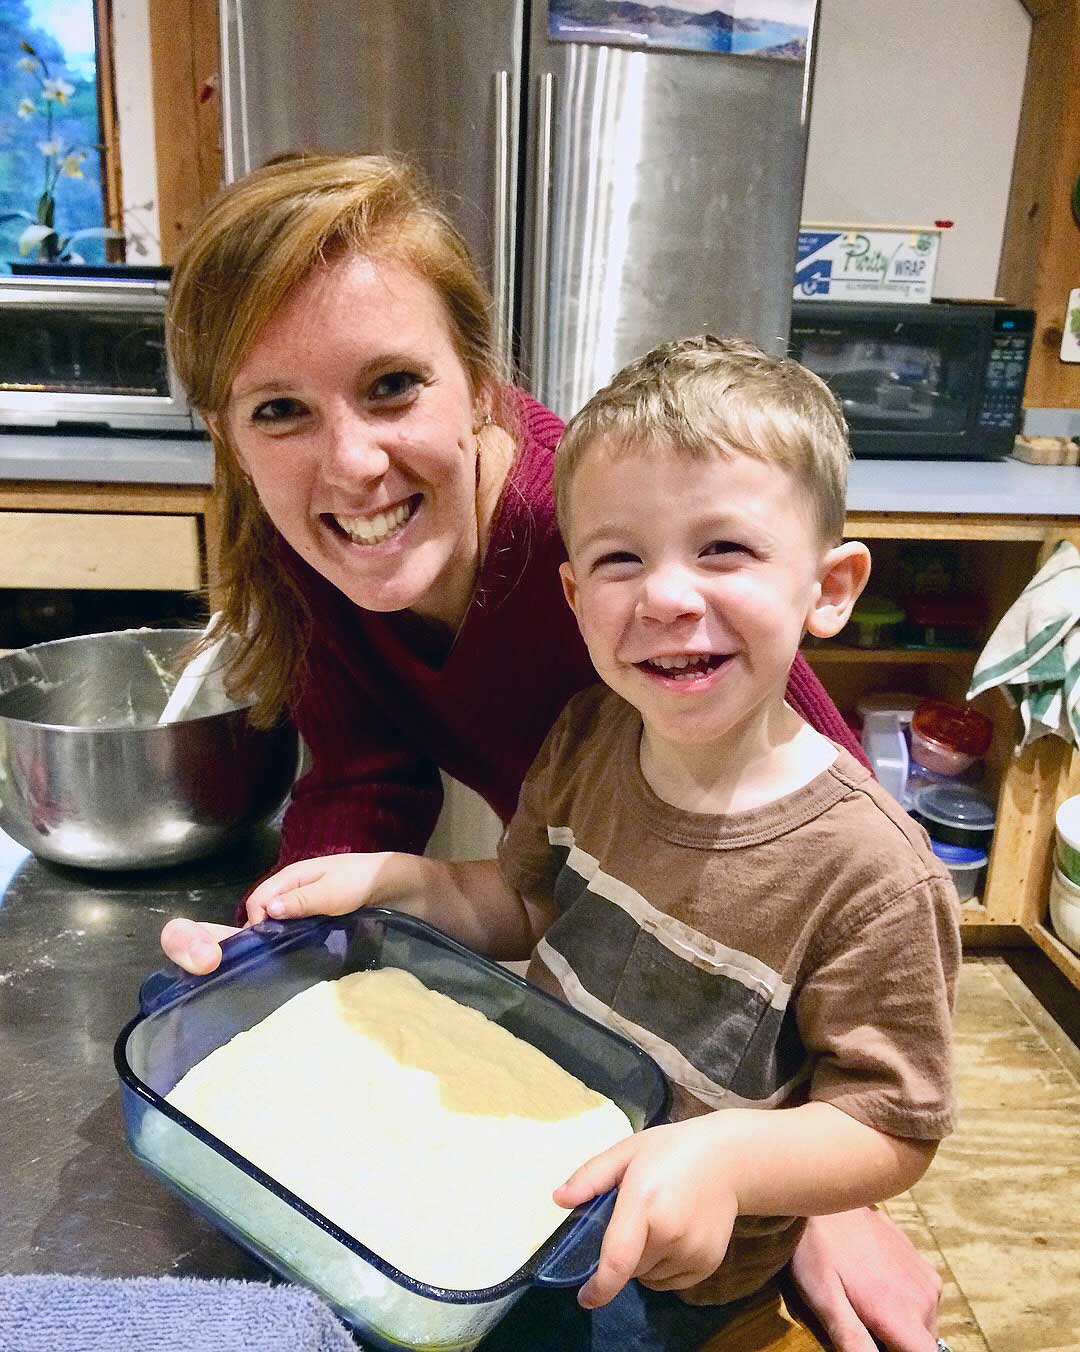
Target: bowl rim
{"points": [[238, 707]]}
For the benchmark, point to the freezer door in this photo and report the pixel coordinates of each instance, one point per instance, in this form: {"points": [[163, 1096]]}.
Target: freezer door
{"points": [[663, 199], [437, 82]]}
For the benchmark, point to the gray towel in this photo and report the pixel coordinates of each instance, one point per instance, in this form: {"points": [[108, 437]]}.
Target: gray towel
{"points": [[163, 1314]]}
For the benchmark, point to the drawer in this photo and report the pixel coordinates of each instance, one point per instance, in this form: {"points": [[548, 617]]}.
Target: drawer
{"points": [[100, 550]]}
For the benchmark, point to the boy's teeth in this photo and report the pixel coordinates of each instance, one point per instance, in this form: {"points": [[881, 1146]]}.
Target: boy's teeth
{"points": [[679, 668], [372, 530]]}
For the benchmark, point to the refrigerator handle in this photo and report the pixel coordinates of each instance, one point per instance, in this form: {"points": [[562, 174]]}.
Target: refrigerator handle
{"points": [[541, 234], [234, 102], [502, 262]]}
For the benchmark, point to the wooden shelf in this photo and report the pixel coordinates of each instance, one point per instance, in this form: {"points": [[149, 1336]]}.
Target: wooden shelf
{"points": [[949, 657], [1063, 958]]}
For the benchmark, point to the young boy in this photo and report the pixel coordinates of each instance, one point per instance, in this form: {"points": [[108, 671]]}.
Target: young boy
{"points": [[692, 864]]}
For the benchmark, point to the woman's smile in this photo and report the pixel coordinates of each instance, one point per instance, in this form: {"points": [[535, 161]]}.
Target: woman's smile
{"points": [[380, 526]]}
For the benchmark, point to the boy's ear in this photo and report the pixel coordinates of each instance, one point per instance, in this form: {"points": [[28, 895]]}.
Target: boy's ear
{"points": [[569, 585], [844, 572]]}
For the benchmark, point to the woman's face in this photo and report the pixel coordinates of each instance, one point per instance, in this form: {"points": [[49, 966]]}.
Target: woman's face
{"points": [[354, 417]]}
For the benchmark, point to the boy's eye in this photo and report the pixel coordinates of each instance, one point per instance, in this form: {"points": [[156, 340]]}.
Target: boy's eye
{"points": [[277, 410], [720, 547], [616, 556], [395, 385]]}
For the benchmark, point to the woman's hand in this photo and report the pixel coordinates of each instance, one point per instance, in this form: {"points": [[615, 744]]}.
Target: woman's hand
{"points": [[674, 1213], [862, 1279]]}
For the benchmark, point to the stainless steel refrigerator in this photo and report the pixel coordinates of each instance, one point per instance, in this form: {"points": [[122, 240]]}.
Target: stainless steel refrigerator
{"points": [[616, 197]]}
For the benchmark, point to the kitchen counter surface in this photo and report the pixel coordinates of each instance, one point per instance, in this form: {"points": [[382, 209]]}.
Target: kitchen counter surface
{"points": [[74, 948], [47, 457], [964, 487]]}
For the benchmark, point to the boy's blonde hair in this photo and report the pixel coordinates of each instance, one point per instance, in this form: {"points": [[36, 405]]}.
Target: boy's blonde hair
{"points": [[709, 397]]}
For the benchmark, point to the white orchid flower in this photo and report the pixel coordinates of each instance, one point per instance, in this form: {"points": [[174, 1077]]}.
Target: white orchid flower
{"points": [[50, 148], [27, 63], [57, 90], [27, 108], [71, 165], [33, 235]]}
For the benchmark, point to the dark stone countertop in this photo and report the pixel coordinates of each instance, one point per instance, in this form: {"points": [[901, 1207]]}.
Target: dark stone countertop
{"points": [[75, 946]]}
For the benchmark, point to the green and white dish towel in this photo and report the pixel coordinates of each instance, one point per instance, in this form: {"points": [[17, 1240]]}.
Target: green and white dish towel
{"points": [[1034, 653]]}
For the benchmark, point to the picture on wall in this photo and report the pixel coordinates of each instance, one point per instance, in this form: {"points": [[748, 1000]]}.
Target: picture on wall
{"points": [[773, 28]]}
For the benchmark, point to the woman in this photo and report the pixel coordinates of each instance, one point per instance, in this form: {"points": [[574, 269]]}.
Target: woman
{"points": [[390, 551]]}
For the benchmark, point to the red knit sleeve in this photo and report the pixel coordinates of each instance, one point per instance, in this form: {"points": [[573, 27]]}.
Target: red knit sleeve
{"points": [[808, 697], [368, 787]]}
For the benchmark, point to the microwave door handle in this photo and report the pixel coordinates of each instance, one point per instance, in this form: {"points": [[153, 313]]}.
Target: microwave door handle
{"points": [[502, 283], [234, 100], [542, 234]]}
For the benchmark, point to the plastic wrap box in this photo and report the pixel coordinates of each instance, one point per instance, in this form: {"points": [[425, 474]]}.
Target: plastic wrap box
{"points": [[866, 262]]}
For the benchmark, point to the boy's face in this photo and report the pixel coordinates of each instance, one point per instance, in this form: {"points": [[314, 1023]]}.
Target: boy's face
{"points": [[693, 582]]}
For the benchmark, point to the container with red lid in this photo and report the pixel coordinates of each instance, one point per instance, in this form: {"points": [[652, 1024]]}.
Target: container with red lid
{"points": [[954, 621], [949, 738]]}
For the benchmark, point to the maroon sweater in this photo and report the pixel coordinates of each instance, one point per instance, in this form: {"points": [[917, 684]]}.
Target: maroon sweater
{"points": [[382, 706]]}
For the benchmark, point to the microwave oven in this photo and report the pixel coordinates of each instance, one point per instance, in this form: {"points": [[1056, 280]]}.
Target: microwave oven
{"points": [[936, 381], [88, 354]]}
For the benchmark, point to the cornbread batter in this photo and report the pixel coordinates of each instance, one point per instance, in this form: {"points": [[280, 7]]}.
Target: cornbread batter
{"points": [[428, 1132]]}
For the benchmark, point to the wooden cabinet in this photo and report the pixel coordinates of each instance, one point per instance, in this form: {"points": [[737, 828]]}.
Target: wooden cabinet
{"points": [[999, 554], [106, 537]]}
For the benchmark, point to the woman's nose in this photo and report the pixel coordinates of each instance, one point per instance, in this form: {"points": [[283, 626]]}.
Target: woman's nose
{"points": [[670, 594], [352, 451]]}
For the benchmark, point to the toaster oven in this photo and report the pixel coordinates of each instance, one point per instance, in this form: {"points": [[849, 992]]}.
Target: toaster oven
{"points": [[88, 355]]}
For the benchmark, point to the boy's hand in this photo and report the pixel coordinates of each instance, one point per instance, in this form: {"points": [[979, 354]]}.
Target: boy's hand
{"points": [[194, 946], [332, 885], [674, 1213]]}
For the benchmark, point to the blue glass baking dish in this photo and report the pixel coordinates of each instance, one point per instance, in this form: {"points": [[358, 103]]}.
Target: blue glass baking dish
{"points": [[182, 1019]]}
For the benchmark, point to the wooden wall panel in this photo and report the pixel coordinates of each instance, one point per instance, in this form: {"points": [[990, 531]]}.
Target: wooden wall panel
{"points": [[1040, 260], [184, 57]]}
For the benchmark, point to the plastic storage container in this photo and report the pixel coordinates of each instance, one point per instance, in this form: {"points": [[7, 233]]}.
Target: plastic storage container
{"points": [[955, 814], [182, 1019], [886, 749], [949, 738], [1067, 844], [1065, 910], [954, 621], [875, 623], [965, 864]]}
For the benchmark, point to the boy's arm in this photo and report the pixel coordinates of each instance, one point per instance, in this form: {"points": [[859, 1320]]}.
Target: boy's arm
{"points": [[682, 1186], [471, 900]]}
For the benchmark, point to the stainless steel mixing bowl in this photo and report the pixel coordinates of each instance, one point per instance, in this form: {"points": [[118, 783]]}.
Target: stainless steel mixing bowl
{"points": [[87, 775]]}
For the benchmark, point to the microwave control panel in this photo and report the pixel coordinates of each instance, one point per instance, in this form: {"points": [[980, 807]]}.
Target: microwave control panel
{"points": [[1006, 370]]}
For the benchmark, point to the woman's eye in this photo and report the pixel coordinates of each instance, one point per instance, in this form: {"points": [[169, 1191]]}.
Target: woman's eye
{"points": [[277, 410], [395, 385]]}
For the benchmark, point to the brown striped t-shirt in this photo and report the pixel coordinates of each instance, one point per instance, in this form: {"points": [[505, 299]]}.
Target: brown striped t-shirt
{"points": [[807, 949]]}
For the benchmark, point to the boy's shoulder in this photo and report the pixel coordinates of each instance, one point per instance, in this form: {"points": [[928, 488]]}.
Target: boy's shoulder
{"points": [[868, 820]]}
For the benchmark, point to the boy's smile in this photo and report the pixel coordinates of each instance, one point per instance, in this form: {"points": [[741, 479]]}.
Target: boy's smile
{"points": [[693, 581]]}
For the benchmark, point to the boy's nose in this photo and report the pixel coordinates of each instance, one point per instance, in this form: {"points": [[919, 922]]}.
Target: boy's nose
{"points": [[670, 594]]}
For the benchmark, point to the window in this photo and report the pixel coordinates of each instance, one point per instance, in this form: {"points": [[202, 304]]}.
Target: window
{"points": [[50, 137]]}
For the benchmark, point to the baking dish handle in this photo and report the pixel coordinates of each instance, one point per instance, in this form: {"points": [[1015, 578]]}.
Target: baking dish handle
{"points": [[170, 982], [575, 1260]]}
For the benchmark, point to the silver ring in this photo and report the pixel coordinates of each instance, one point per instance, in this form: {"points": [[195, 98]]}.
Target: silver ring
{"points": [[943, 1346]]}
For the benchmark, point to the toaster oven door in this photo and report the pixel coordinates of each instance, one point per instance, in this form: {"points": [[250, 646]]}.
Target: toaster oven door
{"points": [[86, 354]]}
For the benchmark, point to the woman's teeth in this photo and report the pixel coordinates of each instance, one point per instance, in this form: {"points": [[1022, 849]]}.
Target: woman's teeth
{"points": [[373, 530]]}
